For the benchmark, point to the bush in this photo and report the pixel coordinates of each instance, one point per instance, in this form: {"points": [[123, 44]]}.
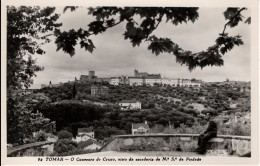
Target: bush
{"points": [[240, 130], [41, 136], [177, 102], [63, 146], [191, 106], [64, 134]]}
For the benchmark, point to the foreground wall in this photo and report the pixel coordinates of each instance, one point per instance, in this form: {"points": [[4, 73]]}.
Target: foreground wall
{"points": [[44, 148], [233, 145]]}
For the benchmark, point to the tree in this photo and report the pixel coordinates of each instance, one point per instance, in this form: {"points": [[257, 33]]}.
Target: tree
{"points": [[26, 29], [64, 134], [22, 121], [41, 136], [26, 33], [64, 143], [141, 30], [74, 91]]}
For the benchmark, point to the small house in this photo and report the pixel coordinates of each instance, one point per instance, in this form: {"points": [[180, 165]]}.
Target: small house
{"points": [[140, 128], [84, 134]]}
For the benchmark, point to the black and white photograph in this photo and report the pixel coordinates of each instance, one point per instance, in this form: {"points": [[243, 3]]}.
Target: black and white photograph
{"points": [[128, 83]]}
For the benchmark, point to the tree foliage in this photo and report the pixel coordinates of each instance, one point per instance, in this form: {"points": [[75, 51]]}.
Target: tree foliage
{"points": [[23, 121], [26, 33], [64, 144], [140, 24], [64, 135]]}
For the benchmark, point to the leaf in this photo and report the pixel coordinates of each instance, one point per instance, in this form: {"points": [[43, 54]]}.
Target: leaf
{"points": [[48, 11], [96, 27], [248, 20], [98, 18], [40, 51], [223, 50], [132, 31], [72, 52], [160, 45], [88, 46], [235, 21], [110, 22], [127, 13], [91, 10], [230, 12], [58, 46], [82, 44], [129, 25], [220, 40], [67, 41], [72, 8]]}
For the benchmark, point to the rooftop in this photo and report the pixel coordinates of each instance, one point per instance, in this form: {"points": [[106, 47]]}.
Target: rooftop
{"points": [[129, 101], [137, 125]]}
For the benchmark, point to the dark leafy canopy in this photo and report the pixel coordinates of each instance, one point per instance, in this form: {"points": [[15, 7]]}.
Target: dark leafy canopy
{"points": [[140, 24], [26, 33]]}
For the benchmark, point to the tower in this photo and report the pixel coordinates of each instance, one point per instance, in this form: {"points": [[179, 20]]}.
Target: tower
{"points": [[50, 84], [91, 74], [136, 73]]}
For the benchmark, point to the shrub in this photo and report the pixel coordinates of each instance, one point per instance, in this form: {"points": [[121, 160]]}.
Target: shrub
{"points": [[240, 130], [64, 134], [41, 136], [177, 102], [63, 146], [191, 106]]}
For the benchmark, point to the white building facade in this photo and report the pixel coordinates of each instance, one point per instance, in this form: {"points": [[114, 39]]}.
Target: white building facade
{"points": [[130, 104], [140, 128], [114, 81], [135, 81], [93, 146], [82, 137], [170, 81], [138, 81], [84, 134]]}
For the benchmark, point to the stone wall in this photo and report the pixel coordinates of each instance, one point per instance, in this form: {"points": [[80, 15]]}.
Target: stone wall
{"points": [[44, 148], [233, 145]]}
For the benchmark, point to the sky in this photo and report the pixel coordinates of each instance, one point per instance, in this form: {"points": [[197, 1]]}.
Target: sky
{"points": [[115, 56]]}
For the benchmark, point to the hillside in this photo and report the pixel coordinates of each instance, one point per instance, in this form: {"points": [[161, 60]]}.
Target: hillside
{"points": [[160, 106]]}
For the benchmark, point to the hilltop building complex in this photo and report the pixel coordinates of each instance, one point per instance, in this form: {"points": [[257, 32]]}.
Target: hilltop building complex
{"points": [[151, 79], [139, 78], [90, 77], [146, 75]]}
